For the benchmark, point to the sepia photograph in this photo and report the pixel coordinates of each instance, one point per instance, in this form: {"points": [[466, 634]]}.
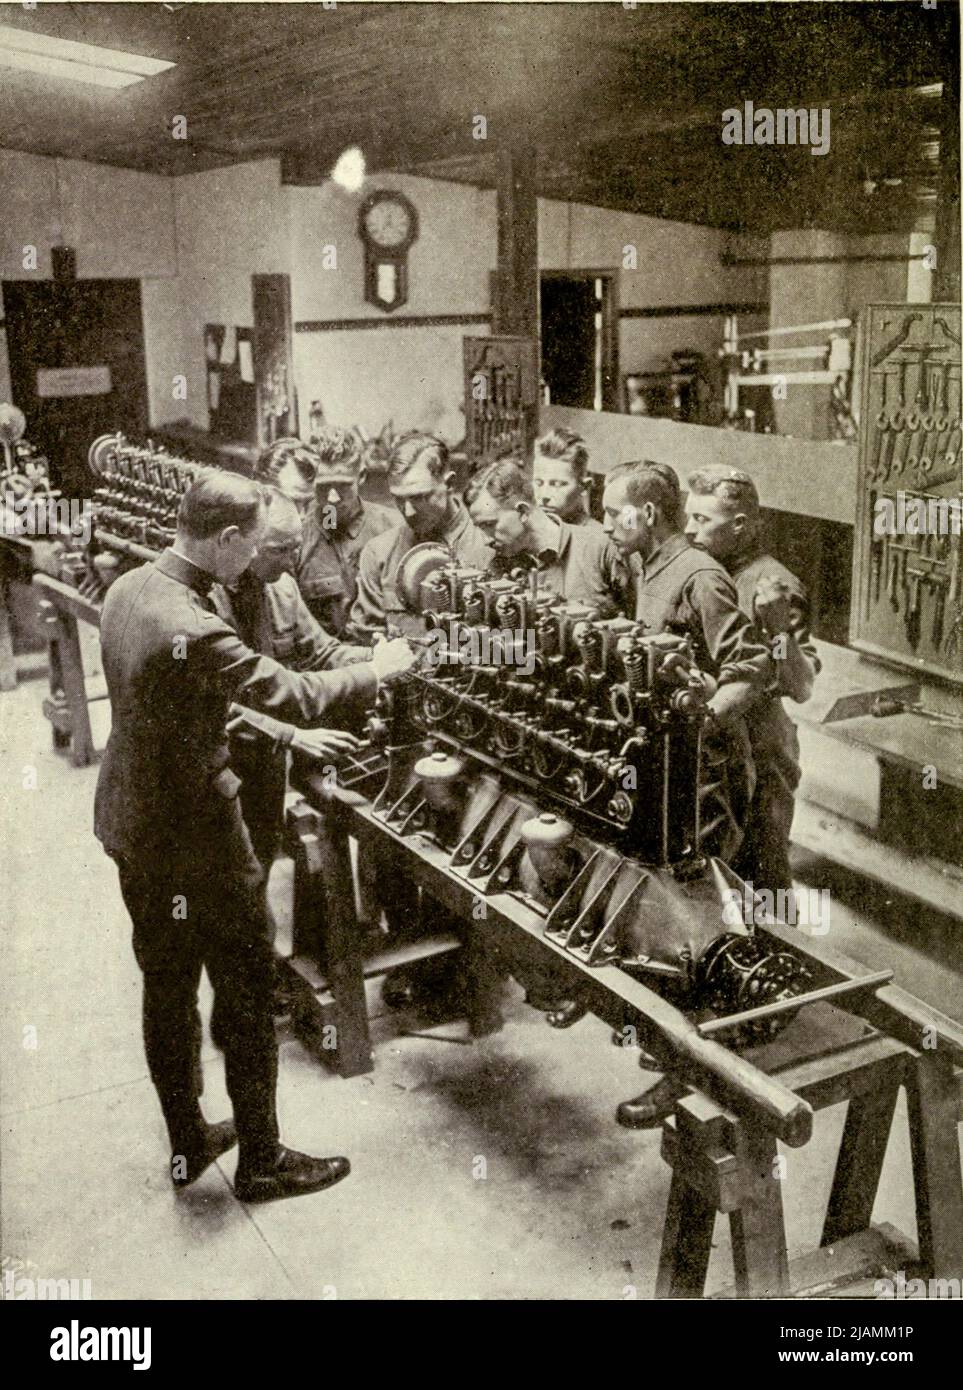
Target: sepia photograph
{"points": [[481, 654]]}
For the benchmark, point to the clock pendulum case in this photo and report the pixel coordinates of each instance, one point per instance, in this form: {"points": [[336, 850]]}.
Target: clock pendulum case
{"points": [[388, 226]]}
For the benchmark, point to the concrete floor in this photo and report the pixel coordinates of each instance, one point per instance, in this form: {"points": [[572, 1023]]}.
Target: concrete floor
{"points": [[483, 1170]]}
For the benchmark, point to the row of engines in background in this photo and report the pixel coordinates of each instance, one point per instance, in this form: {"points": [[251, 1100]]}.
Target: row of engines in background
{"points": [[138, 494]]}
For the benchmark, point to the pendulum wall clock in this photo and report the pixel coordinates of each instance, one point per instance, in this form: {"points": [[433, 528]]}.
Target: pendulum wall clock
{"points": [[388, 226]]}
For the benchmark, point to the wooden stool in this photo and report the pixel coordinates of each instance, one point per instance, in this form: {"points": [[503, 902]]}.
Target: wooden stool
{"points": [[721, 1163]]}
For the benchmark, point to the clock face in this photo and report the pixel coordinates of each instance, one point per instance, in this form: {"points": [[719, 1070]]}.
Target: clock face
{"points": [[388, 222]]}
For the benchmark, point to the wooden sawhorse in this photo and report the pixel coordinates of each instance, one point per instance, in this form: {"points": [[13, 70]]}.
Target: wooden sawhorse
{"points": [[721, 1163], [61, 608], [329, 966]]}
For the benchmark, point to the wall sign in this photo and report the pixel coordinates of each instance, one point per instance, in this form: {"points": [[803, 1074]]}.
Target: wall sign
{"points": [[60, 382]]}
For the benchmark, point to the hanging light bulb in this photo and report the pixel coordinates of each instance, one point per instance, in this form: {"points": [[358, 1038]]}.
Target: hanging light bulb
{"points": [[349, 170]]}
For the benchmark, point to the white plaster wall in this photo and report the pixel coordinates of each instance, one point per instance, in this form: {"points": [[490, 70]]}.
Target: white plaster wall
{"points": [[195, 241], [449, 264], [410, 376], [119, 221], [231, 223]]}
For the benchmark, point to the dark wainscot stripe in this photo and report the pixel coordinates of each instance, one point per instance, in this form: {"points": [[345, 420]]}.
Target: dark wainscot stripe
{"points": [[399, 321], [678, 311]]}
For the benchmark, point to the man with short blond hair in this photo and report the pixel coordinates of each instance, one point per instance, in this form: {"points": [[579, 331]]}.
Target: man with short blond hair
{"points": [[560, 477], [577, 563], [723, 520]]}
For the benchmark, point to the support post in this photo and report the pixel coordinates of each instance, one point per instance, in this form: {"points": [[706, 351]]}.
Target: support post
{"points": [[946, 282], [933, 1107], [515, 310], [343, 947], [869, 1119]]}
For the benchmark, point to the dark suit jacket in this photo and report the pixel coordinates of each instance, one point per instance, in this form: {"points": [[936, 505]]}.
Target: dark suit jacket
{"points": [[173, 668]]}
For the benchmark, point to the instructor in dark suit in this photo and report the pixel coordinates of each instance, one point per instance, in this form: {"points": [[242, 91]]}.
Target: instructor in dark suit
{"points": [[167, 812]]}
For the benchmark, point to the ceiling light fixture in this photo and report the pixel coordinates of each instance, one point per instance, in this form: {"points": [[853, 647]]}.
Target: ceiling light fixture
{"points": [[349, 170], [76, 62]]}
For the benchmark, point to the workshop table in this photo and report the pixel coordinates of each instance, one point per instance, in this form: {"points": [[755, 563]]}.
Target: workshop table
{"points": [[722, 1142], [863, 802]]}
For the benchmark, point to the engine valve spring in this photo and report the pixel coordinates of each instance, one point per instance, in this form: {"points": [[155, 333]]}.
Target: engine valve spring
{"points": [[634, 662], [589, 644]]}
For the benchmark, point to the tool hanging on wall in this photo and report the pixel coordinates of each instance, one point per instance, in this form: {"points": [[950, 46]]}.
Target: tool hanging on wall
{"points": [[501, 398], [907, 583]]}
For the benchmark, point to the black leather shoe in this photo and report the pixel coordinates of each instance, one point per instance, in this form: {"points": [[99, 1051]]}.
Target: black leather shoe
{"points": [[565, 1012], [291, 1175], [400, 989], [433, 987], [648, 1110], [188, 1167]]}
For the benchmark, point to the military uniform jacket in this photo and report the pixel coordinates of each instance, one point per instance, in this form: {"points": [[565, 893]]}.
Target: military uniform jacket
{"points": [[274, 619], [749, 571], [774, 739], [328, 567], [378, 604], [584, 567], [586, 522], [685, 590], [173, 669]]}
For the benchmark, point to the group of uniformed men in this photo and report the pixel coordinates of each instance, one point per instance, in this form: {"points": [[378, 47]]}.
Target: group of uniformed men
{"points": [[277, 606]]}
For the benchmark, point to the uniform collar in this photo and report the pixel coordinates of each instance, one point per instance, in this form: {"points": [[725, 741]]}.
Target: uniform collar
{"points": [[747, 557], [554, 553], [668, 551], [178, 567]]}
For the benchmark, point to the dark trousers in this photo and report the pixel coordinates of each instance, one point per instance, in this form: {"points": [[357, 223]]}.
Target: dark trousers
{"points": [[763, 857], [264, 780], [205, 908]]}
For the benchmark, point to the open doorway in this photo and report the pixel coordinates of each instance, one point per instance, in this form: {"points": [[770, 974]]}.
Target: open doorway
{"points": [[579, 325]]}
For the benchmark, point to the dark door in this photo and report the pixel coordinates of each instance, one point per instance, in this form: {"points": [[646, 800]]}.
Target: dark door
{"points": [[569, 340], [579, 315], [96, 328]]}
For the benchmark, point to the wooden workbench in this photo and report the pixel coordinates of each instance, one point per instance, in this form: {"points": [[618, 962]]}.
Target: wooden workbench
{"points": [[863, 801]]}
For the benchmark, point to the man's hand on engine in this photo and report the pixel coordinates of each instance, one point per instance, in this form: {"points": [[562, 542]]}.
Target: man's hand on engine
{"points": [[392, 658], [325, 745]]}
